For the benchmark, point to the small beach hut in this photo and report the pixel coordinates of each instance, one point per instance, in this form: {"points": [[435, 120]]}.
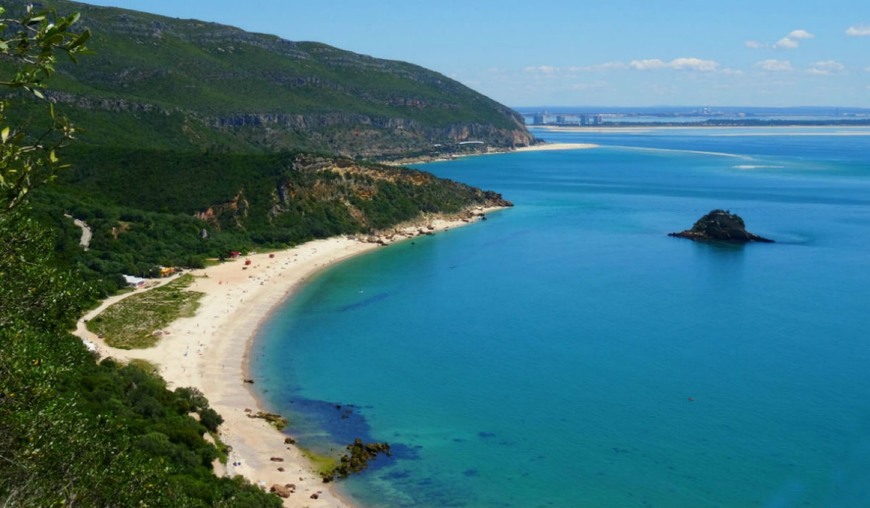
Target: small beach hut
{"points": [[134, 282]]}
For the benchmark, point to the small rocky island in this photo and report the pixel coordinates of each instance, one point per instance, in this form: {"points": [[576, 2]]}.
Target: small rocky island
{"points": [[722, 226]]}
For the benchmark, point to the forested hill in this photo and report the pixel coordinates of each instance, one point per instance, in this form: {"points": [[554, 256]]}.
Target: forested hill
{"points": [[187, 84], [148, 207], [192, 141]]}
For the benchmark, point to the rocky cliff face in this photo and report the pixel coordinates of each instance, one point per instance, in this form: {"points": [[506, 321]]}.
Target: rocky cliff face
{"points": [[356, 193], [361, 135], [264, 92]]}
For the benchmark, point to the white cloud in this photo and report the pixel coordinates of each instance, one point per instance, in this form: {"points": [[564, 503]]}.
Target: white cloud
{"points": [[647, 65], [790, 41], [858, 31], [800, 34], [774, 65], [604, 66], [787, 43], [680, 64], [695, 64], [826, 67]]}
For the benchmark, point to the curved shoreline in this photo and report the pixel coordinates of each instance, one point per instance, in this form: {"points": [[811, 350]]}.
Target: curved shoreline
{"points": [[210, 351], [541, 147]]}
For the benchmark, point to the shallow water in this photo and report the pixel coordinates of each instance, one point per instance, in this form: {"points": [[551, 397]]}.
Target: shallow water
{"points": [[566, 352]]}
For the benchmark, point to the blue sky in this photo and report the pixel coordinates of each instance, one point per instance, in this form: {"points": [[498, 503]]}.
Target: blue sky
{"points": [[596, 53]]}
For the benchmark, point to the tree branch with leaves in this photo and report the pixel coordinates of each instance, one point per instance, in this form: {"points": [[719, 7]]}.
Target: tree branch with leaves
{"points": [[29, 48]]}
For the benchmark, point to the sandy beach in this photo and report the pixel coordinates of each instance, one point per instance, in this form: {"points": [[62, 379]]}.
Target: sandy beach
{"points": [[542, 147], [545, 147], [209, 351]]}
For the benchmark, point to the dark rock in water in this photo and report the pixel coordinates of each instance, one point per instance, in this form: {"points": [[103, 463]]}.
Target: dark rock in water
{"points": [[275, 420], [720, 225], [357, 459]]}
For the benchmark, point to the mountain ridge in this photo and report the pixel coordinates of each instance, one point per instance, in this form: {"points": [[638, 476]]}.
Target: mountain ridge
{"points": [[262, 92]]}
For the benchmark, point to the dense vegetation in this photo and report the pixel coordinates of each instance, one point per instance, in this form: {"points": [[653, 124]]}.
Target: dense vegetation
{"points": [[151, 208], [158, 82], [76, 432], [192, 147], [72, 431], [191, 141]]}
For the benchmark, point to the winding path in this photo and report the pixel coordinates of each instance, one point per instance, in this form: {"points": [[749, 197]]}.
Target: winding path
{"points": [[85, 240]]}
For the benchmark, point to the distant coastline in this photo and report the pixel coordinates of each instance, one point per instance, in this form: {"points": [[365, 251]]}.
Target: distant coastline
{"points": [[540, 147], [710, 123], [637, 127]]}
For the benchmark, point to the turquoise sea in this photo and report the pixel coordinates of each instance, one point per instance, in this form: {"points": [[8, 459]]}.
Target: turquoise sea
{"points": [[567, 353]]}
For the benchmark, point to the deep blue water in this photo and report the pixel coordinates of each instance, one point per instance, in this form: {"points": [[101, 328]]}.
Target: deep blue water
{"points": [[566, 352]]}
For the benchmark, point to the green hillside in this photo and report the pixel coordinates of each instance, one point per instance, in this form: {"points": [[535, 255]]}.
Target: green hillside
{"points": [[189, 84], [191, 140], [151, 207], [194, 139]]}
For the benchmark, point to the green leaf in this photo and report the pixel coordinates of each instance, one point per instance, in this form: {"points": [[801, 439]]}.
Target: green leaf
{"points": [[80, 40], [4, 135]]}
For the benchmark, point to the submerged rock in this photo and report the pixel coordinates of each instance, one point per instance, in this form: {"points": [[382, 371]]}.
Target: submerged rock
{"points": [[357, 459], [720, 225], [275, 420]]}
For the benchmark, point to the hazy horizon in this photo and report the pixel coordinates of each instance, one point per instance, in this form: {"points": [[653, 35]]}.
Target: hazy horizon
{"points": [[693, 106]]}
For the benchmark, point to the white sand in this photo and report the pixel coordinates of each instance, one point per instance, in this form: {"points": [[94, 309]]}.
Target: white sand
{"points": [[545, 147], [209, 352]]}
